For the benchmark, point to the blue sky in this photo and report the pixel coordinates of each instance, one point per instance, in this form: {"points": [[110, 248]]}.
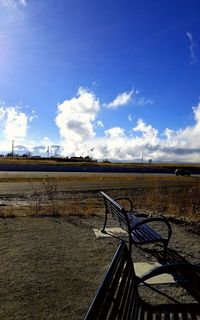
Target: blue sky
{"points": [[109, 79]]}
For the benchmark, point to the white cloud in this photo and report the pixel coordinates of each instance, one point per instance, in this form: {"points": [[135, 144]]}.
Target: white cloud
{"points": [[189, 136], [14, 122], [121, 100], [77, 122], [46, 141], [196, 111], [192, 48], [149, 134], [130, 118], [23, 2], [115, 132], [33, 116], [100, 124], [126, 97], [181, 145], [76, 119], [142, 101], [13, 3]]}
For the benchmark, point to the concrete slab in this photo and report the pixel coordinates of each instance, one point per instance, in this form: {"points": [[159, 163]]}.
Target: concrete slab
{"points": [[143, 267], [110, 232], [140, 267]]}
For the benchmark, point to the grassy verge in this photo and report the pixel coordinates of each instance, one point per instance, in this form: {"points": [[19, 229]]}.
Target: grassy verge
{"points": [[168, 195]]}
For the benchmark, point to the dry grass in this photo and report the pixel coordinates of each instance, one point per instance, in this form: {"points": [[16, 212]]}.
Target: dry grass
{"points": [[167, 195], [182, 201]]}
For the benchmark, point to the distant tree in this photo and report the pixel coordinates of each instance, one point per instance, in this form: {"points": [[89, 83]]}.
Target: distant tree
{"points": [[26, 155], [9, 154], [106, 161]]}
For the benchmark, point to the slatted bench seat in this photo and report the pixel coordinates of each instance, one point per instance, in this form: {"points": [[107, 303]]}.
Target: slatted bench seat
{"points": [[139, 229], [118, 296]]}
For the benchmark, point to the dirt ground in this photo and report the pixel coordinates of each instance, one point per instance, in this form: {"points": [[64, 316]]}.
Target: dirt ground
{"points": [[51, 266]]}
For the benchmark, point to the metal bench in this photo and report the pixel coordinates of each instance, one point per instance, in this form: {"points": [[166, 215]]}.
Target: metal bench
{"points": [[118, 295], [139, 229]]}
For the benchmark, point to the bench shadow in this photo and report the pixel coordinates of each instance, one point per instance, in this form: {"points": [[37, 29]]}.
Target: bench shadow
{"points": [[118, 236], [172, 256], [188, 280]]}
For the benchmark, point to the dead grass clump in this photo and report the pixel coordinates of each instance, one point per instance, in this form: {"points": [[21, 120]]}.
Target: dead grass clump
{"points": [[50, 186], [6, 213], [43, 200], [183, 202], [47, 201]]}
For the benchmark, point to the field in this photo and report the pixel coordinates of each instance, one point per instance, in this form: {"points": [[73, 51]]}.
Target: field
{"points": [[37, 193], [51, 261]]}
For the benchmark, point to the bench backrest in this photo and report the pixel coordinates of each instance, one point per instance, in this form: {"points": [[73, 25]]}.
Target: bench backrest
{"points": [[117, 211], [118, 298], [118, 287]]}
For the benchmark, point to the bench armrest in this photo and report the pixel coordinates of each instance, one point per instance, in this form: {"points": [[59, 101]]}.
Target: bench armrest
{"points": [[128, 200], [149, 220]]}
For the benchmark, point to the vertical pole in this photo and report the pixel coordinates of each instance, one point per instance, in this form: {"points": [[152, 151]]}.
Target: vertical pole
{"points": [[48, 151], [13, 142]]}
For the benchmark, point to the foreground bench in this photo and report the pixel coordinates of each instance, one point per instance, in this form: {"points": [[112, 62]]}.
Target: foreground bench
{"points": [[118, 296], [139, 230]]}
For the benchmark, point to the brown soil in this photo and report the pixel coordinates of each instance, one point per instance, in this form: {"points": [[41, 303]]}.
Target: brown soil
{"points": [[51, 266]]}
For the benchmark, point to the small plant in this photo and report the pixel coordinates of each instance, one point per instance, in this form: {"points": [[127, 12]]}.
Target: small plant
{"points": [[50, 187], [37, 198], [44, 199]]}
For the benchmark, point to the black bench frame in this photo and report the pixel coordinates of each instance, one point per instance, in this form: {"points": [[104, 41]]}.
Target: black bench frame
{"points": [[138, 229], [118, 296]]}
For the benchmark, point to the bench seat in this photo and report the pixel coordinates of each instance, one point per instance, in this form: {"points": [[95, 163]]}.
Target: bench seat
{"points": [[143, 234]]}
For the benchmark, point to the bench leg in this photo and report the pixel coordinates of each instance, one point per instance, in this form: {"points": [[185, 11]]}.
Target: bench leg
{"points": [[105, 222], [130, 246]]}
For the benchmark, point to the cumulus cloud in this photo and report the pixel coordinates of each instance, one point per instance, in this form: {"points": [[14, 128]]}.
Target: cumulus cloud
{"points": [[14, 125], [188, 137], [121, 100], [14, 122], [115, 132], [76, 119], [77, 122], [149, 134], [192, 47], [171, 145]]}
